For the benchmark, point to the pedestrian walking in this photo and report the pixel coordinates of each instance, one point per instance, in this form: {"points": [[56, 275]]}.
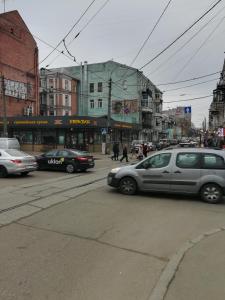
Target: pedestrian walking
{"points": [[145, 150], [140, 153], [124, 154], [114, 151]]}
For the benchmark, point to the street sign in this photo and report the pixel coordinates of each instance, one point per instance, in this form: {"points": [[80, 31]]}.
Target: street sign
{"points": [[187, 110], [104, 130], [220, 132]]}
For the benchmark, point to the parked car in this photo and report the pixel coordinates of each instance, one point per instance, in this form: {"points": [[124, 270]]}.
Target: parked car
{"points": [[151, 146], [135, 145], [68, 160], [9, 143], [13, 161], [181, 170]]}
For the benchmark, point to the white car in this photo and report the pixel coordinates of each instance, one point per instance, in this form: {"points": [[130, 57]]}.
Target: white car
{"points": [[13, 161]]}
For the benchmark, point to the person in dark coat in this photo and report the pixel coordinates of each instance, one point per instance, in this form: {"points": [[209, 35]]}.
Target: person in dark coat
{"points": [[124, 154], [115, 151], [145, 150]]}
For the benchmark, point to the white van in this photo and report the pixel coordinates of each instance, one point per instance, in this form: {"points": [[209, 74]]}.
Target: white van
{"points": [[9, 143]]}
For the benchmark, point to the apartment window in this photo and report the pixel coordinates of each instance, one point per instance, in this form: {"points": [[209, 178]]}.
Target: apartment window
{"points": [[99, 103], [91, 87], [157, 109], [99, 86], [66, 113], [67, 102], [51, 100], [66, 85], [51, 83], [92, 104]]}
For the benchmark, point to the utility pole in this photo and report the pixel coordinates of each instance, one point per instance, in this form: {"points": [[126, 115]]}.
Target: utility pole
{"points": [[5, 133], [109, 104]]}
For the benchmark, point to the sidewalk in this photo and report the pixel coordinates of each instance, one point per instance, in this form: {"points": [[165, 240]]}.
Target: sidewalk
{"points": [[196, 272]]}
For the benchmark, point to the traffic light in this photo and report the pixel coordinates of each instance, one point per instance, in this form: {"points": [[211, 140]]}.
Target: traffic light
{"points": [[109, 130]]}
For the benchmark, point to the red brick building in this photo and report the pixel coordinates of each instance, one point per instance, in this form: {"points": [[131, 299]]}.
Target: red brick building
{"points": [[58, 94], [19, 66]]}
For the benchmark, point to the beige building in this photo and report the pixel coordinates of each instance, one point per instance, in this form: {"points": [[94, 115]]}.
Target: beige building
{"points": [[217, 107]]}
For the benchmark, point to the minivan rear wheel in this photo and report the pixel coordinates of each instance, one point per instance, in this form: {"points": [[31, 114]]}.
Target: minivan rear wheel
{"points": [[3, 172], [128, 186], [211, 193]]}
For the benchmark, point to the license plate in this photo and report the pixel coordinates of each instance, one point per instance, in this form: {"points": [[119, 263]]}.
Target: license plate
{"points": [[90, 160]]}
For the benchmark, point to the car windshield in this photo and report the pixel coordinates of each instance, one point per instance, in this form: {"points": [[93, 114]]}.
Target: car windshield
{"points": [[14, 152]]}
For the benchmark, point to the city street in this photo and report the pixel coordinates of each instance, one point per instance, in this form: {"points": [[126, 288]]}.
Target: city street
{"points": [[73, 237]]}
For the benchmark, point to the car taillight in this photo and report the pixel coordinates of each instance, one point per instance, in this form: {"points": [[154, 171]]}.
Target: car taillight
{"points": [[82, 158], [16, 161]]}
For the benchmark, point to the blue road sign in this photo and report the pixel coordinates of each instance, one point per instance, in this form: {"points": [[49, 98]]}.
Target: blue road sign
{"points": [[104, 130], [187, 110]]}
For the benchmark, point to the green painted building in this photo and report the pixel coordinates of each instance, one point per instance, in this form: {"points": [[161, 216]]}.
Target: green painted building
{"points": [[121, 93]]}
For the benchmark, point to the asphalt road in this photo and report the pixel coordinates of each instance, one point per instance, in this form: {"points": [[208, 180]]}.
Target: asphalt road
{"points": [[74, 238]]}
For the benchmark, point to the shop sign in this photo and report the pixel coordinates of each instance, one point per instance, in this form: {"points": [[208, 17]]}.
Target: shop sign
{"points": [[31, 122], [80, 122]]}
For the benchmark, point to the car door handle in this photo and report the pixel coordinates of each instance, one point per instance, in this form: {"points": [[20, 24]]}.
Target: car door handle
{"points": [[165, 172], [177, 172]]}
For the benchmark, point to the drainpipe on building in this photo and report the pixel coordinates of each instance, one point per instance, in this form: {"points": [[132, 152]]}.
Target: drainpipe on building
{"points": [[85, 89], [80, 108], [5, 132]]}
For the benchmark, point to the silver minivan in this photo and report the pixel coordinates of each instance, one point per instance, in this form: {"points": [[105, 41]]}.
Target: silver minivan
{"points": [[185, 171], [9, 143]]}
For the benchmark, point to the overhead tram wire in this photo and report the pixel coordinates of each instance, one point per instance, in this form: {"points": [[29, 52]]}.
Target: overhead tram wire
{"points": [[201, 46], [190, 99], [78, 34], [68, 31], [148, 37], [153, 29], [186, 43], [180, 36], [190, 79], [62, 52], [187, 86]]}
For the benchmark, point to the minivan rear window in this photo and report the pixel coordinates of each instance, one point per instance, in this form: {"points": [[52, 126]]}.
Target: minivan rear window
{"points": [[188, 160], [213, 161]]}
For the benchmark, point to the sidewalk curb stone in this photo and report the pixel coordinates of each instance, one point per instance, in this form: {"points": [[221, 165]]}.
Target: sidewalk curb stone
{"points": [[169, 272]]}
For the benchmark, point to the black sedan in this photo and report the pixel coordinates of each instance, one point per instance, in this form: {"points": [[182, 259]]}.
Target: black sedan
{"points": [[68, 160]]}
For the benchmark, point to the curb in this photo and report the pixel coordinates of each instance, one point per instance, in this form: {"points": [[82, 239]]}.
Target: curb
{"points": [[169, 272]]}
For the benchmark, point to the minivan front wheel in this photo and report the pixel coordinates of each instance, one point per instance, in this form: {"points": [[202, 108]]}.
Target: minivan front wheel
{"points": [[128, 186], [211, 193]]}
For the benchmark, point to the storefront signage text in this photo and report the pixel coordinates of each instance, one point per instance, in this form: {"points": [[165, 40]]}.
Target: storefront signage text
{"points": [[30, 122], [80, 122]]}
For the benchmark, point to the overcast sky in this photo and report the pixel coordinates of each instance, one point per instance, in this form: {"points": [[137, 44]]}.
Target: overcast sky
{"points": [[120, 29]]}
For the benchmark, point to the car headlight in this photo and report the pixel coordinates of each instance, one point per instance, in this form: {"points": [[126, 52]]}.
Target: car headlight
{"points": [[115, 170]]}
